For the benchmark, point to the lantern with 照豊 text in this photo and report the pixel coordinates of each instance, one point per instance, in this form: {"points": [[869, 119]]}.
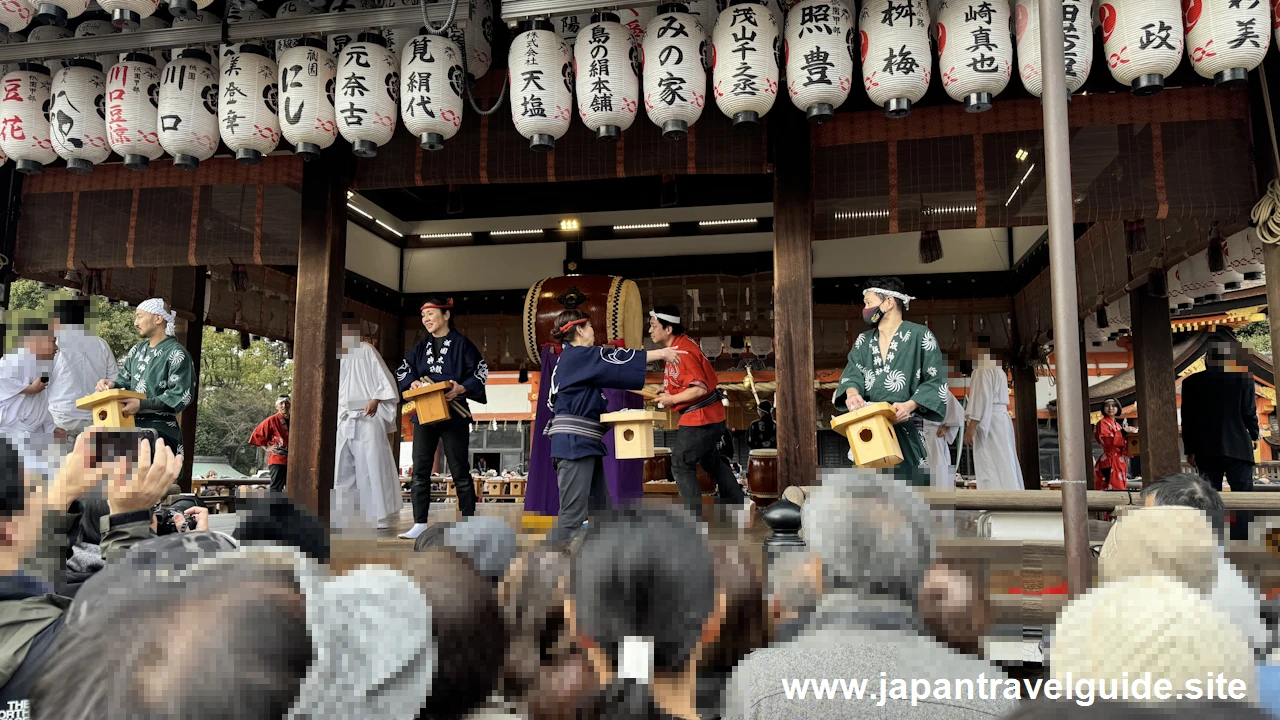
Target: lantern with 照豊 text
{"points": [[367, 94], [1142, 40], [1226, 38], [247, 104], [608, 88], [77, 116], [189, 109], [541, 101], [819, 66], [432, 81], [896, 60], [133, 98], [308, 76], [673, 75], [1077, 43], [745, 70]]}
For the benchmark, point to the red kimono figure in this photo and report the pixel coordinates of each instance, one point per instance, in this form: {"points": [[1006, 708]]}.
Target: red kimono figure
{"points": [[1111, 472]]}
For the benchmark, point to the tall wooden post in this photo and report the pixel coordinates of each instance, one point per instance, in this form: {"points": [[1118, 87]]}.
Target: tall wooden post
{"points": [[1153, 364], [793, 300], [322, 252], [188, 300], [1271, 266], [1028, 425]]}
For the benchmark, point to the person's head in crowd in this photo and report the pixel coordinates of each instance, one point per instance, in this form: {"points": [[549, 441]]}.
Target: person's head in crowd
{"points": [[871, 533], [154, 319], [644, 605], [665, 324], [37, 338], [470, 633], [283, 405], [71, 312], [743, 629], [1187, 490], [1111, 407], [352, 331], [573, 327], [953, 607], [1219, 356], [274, 520], [1175, 542], [1185, 710], [487, 542], [880, 300], [1176, 635], [795, 579], [765, 410], [437, 315]]}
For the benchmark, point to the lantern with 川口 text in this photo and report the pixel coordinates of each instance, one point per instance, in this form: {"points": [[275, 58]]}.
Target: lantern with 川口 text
{"points": [[1229, 40], [367, 95], [77, 115], [819, 66], [896, 60], [1142, 40], [307, 79], [128, 13], [431, 85], [1077, 47], [674, 78], [292, 8], [58, 12], [745, 69], [189, 109], [15, 15], [247, 97], [133, 98], [24, 118], [975, 50], [541, 102], [608, 89]]}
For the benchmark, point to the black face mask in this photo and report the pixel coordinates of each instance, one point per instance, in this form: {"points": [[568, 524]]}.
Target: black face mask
{"points": [[872, 316]]}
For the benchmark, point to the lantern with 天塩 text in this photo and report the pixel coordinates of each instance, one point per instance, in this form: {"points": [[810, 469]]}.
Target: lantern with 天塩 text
{"points": [[541, 103], [58, 12], [608, 89], [77, 115], [292, 8], [568, 26], [674, 77], [133, 98], [189, 109], [1077, 43], [307, 79], [1142, 40], [896, 60], [745, 69], [24, 122], [367, 94], [432, 81], [1228, 40], [340, 40], [128, 13], [15, 15], [819, 66], [975, 50], [247, 104]]}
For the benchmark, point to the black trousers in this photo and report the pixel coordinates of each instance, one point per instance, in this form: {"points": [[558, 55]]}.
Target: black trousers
{"points": [[1239, 474], [583, 488], [696, 445], [456, 438], [279, 477]]}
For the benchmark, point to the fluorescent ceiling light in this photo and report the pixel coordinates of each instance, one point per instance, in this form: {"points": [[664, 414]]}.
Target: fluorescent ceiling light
{"points": [[1024, 179], [441, 236], [353, 207], [861, 214], [642, 226], [517, 232], [714, 223], [397, 232]]}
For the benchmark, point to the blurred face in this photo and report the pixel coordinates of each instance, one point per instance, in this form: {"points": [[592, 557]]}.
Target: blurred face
{"points": [[435, 320], [658, 333], [147, 324], [42, 345]]}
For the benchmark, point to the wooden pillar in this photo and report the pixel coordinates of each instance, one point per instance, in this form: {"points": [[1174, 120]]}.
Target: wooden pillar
{"points": [[793, 300], [188, 300], [1271, 266], [1028, 426], [1155, 375], [322, 250]]}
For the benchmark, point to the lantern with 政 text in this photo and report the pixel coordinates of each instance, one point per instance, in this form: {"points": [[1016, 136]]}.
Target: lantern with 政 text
{"points": [[608, 88], [1228, 40], [1077, 43], [541, 103], [432, 80], [77, 115], [133, 98], [307, 78], [247, 104], [367, 94], [819, 66], [896, 60], [745, 68], [189, 109], [674, 77], [975, 50], [1142, 40]]}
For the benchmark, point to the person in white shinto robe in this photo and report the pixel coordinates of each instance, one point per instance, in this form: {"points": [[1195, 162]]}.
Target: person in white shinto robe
{"points": [[24, 398], [938, 439], [988, 425], [366, 485], [83, 359]]}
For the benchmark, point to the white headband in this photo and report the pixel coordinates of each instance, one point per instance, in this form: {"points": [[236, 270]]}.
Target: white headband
{"points": [[674, 319], [155, 306], [905, 298], [635, 659]]}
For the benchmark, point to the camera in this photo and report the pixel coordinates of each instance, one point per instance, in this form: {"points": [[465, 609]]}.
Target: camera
{"points": [[175, 504], [118, 444]]}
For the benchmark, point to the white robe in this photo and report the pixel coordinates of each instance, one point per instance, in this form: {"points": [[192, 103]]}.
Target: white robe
{"points": [[995, 459], [83, 359], [938, 449], [25, 419], [366, 484]]}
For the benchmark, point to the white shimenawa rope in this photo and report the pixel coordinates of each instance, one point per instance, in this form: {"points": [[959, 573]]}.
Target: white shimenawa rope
{"points": [[1266, 214], [155, 306]]}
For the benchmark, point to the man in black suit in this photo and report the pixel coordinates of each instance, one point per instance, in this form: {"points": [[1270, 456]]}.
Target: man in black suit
{"points": [[1220, 425]]}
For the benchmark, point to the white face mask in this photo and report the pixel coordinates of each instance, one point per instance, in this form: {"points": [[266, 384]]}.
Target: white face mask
{"points": [[350, 342]]}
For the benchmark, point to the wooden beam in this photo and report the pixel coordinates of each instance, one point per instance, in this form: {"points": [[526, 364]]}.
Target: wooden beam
{"points": [[793, 300], [322, 250], [188, 300], [1155, 376], [1028, 425]]}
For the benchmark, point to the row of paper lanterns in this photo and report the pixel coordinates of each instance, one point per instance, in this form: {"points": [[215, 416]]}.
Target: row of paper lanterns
{"points": [[1191, 282]]}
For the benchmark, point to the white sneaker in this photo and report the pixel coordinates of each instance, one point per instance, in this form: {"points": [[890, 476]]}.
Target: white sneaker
{"points": [[414, 532]]}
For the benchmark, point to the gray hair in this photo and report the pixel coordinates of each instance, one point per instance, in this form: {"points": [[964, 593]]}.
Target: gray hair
{"points": [[1187, 490], [790, 585], [873, 533]]}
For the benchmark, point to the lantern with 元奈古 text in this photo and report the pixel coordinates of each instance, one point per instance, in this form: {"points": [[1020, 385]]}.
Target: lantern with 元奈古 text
{"points": [[189, 109], [819, 66], [77, 115], [896, 62], [975, 50], [367, 94], [673, 74], [432, 80], [1142, 40], [1077, 43], [541, 102], [247, 104], [608, 88], [745, 70], [308, 76], [1228, 40], [133, 98]]}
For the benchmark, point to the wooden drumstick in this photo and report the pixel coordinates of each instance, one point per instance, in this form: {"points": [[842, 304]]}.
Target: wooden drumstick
{"points": [[646, 394]]}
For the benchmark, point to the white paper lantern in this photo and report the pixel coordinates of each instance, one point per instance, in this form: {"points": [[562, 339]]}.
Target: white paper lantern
{"points": [[541, 103], [133, 98], [77, 115], [8, 38], [1077, 43], [745, 69], [637, 20], [368, 90], [568, 26], [99, 28], [183, 9], [1179, 286], [705, 12], [24, 118], [896, 62], [975, 50], [58, 12], [307, 79], [338, 41], [1244, 254], [239, 11], [476, 40], [608, 88], [674, 77], [152, 23], [15, 15], [201, 17], [432, 80], [1200, 283], [1142, 40], [399, 36], [189, 109], [45, 33], [247, 106], [819, 66], [129, 13], [292, 8], [1228, 40]]}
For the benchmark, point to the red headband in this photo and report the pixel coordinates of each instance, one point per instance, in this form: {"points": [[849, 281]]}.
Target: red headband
{"points": [[568, 325], [448, 305]]}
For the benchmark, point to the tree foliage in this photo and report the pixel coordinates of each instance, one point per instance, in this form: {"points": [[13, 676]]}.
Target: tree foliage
{"points": [[1256, 336]]}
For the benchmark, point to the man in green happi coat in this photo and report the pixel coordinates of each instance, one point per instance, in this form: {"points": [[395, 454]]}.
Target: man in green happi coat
{"points": [[160, 368], [897, 362]]}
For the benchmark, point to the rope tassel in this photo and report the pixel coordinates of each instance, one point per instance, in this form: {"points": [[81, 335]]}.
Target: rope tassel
{"points": [[1217, 254], [1135, 236], [930, 246]]}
